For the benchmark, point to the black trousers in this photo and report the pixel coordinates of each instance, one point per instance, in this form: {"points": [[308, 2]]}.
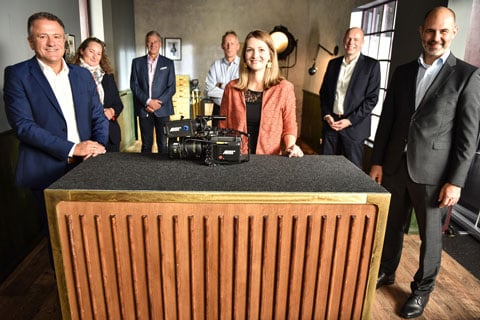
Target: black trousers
{"points": [[423, 199], [215, 112], [146, 130], [335, 143]]}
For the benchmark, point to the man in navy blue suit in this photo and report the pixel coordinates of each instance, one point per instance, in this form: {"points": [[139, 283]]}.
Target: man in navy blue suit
{"points": [[54, 109], [348, 95], [152, 82]]}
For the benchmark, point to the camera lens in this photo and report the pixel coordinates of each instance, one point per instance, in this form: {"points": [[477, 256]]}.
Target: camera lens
{"points": [[193, 149]]}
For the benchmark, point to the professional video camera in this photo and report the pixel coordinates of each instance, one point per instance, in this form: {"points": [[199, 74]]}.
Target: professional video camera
{"points": [[195, 139]]}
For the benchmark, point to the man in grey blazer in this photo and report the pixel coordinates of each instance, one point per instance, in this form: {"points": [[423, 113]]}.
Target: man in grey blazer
{"points": [[152, 82], [348, 95], [425, 142]]}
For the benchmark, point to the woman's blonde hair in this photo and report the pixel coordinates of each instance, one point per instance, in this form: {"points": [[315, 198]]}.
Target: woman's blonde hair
{"points": [[272, 72]]}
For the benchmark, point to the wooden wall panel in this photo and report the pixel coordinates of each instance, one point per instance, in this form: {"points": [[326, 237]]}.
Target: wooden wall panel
{"points": [[20, 227], [311, 131], [216, 260]]}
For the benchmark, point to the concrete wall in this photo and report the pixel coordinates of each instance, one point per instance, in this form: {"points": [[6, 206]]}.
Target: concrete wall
{"points": [[467, 12], [328, 21], [202, 23], [471, 53], [119, 31]]}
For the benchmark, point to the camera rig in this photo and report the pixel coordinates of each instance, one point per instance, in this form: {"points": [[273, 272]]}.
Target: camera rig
{"points": [[195, 139]]}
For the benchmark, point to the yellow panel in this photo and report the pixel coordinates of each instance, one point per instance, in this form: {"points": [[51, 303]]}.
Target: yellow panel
{"points": [[181, 99]]}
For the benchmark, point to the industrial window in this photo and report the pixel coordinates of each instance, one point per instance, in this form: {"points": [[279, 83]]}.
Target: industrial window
{"points": [[377, 20]]}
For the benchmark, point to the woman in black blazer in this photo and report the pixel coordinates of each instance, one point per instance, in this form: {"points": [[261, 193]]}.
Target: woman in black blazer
{"points": [[92, 56]]}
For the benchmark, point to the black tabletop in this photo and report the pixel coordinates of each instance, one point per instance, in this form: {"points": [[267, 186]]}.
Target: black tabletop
{"points": [[135, 171]]}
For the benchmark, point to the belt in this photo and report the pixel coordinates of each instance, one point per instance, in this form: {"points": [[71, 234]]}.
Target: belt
{"points": [[73, 160], [339, 116]]}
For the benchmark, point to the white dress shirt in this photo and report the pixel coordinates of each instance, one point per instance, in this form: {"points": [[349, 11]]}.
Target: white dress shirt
{"points": [[60, 84], [344, 77]]}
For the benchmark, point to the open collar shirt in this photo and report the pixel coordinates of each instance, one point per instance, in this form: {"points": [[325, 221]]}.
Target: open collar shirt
{"points": [[426, 74], [152, 66], [60, 84], [344, 77]]}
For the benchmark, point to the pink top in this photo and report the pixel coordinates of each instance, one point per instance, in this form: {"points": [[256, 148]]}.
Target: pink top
{"points": [[278, 116]]}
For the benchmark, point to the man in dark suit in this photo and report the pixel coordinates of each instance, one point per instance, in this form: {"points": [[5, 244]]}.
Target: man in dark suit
{"points": [[348, 95], [152, 81], [424, 146], [54, 109]]}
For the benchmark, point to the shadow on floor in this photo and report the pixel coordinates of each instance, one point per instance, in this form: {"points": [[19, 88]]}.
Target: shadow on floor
{"points": [[464, 248]]}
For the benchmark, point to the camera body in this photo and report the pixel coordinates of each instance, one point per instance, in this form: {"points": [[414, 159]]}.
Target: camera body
{"points": [[195, 139]]}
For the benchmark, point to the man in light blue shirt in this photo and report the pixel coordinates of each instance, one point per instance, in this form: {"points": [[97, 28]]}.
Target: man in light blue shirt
{"points": [[223, 70]]}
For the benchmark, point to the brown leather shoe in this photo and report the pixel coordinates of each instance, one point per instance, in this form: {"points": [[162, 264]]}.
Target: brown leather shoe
{"points": [[385, 279], [414, 306]]}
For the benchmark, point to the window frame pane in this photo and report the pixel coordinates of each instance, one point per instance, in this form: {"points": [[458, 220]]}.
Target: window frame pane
{"points": [[378, 23]]}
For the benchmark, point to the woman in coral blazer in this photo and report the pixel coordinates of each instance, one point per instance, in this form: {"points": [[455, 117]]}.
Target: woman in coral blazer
{"points": [[261, 102]]}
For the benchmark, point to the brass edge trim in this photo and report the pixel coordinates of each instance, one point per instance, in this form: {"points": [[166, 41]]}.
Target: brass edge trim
{"points": [[211, 196], [52, 198], [382, 201]]}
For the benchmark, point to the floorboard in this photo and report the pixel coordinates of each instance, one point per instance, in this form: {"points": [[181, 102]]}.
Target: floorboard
{"points": [[456, 295]]}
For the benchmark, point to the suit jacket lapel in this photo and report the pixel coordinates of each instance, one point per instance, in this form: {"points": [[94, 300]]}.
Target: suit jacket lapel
{"points": [[356, 71], [78, 99], [145, 71], [338, 65], [442, 77], [353, 79], [411, 87], [157, 69], [43, 84]]}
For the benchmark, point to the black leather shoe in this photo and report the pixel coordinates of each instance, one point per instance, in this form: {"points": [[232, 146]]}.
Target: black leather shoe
{"points": [[414, 306], [385, 279]]}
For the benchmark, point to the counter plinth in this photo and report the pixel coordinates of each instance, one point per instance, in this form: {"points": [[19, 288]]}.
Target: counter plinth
{"points": [[144, 236]]}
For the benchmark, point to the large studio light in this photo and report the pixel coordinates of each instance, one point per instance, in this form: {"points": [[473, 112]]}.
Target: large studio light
{"points": [[284, 41]]}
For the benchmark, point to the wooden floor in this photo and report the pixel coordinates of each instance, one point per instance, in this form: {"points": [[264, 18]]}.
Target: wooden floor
{"points": [[456, 295], [30, 292]]}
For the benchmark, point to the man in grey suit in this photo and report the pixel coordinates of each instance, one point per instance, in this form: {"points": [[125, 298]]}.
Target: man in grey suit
{"points": [[425, 142], [348, 95], [152, 82]]}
